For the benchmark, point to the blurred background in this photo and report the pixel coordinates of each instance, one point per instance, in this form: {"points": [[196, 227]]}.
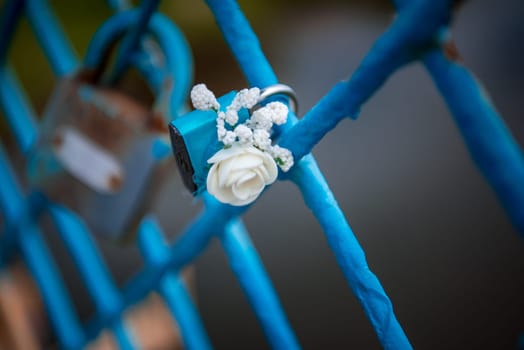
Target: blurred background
{"points": [[432, 229]]}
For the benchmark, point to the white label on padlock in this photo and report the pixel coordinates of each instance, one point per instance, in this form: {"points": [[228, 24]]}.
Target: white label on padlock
{"points": [[87, 161]]}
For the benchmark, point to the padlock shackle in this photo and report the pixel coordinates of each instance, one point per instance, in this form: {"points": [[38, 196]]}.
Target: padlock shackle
{"points": [[174, 78]]}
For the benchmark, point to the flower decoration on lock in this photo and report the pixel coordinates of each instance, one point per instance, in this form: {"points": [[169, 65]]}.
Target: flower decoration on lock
{"points": [[248, 161]]}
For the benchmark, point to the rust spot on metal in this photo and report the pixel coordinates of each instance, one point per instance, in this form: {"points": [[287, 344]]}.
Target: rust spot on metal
{"points": [[115, 182], [157, 123], [451, 52]]}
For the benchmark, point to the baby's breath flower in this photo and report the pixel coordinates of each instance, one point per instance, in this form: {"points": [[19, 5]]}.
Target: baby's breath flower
{"points": [[250, 97], [245, 98], [221, 129], [231, 116], [253, 132], [283, 157], [229, 138], [261, 119], [221, 132], [244, 134], [261, 139], [203, 99], [279, 112]]}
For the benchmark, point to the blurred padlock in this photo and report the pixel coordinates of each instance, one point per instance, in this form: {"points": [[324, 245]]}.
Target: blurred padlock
{"points": [[95, 154]]}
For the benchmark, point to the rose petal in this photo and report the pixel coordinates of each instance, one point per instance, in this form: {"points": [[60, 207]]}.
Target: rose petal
{"points": [[264, 172], [242, 189], [271, 168], [212, 180], [246, 161], [225, 167], [248, 187], [233, 177], [224, 195]]}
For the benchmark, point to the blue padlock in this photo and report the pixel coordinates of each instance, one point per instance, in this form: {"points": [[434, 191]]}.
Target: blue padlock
{"points": [[194, 141], [194, 135]]}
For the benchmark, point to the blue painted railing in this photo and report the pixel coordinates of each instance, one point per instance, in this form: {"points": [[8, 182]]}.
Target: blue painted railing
{"points": [[418, 33]]}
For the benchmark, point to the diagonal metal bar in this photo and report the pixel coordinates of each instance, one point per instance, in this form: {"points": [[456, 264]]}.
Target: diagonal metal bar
{"points": [[172, 288], [349, 254], [57, 48], [184, 312], [170, 74], [490, 143], [9, 17], [247, 266], [380, 313], [40, 263], [124, 340], [18, 111], [88, 260], [243, 42], [132, 40], [191, 243], [411, 33]]}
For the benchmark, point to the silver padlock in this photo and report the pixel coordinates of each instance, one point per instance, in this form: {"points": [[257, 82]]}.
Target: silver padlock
{"points": [[96, 154]]}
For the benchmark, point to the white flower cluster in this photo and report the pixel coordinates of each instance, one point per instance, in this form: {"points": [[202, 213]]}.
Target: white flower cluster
{"points": [[282, 156], [204, 99], [255, 131]]}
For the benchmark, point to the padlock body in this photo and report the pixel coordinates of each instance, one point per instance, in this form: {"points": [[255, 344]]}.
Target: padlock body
{"points": [[194, 141], [94, 155]]}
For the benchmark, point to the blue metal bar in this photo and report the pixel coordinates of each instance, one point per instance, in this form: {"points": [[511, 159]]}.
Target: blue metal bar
{"points": [[84, 253], [58, 305], [151, 242], [9, 16], [11, 205], [246, 265], [11, 202], [17, 110], [365, 285], [122, 335], [156, 252], [243, 42], [178, 61], [181, 306], [349, 254], [187, 247], [490, 143], [39, 261], [132, 40], [27, 210], [175, 78], [414, 31], [56, 47], [93, 271], [307, 175]]}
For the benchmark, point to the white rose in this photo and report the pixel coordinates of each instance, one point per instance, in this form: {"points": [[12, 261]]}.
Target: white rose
{"points": [[239, 174]]}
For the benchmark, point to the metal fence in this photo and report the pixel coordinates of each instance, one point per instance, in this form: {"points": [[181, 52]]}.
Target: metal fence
{"points": [[420, 32]]}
